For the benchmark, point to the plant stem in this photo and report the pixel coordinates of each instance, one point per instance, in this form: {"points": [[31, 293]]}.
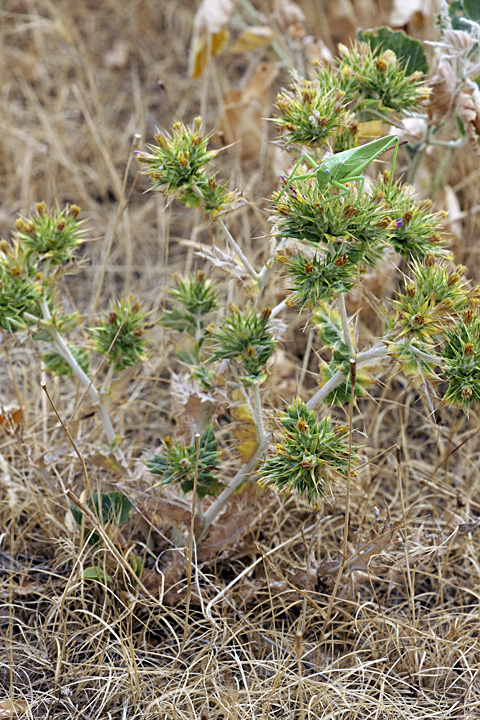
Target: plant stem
{"points": [[217, 506], [239, 251], [377, 352], [278, 308], [257, 413], [364, 358], [87, 383], [346, 327]]}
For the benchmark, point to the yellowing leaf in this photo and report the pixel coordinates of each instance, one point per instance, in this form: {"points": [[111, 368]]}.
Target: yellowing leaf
{"points": [[210, 33], [244, 428], [251, 38], [246, 449], [372, 128]]}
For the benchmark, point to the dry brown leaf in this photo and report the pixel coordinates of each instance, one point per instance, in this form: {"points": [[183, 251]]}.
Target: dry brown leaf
{"points": [[342, 20], [210, 33], [290, 18], [243, 111], [188, 402], [230, 528], [458, 41], [361, 556], [468, 108], [12, 708], [164, 582], [442, 87], [252, 38], [10, 417], [170, 508]]}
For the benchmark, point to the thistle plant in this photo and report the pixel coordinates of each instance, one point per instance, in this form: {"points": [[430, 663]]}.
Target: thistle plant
{"points": [[31, 266], [331, 220], [326, 236]]}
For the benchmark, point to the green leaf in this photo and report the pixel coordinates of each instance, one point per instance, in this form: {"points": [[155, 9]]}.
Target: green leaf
{"points": [[178, 463], [111, 508], [55, 363], [96, 573], [472, 9], [409, 52], [460, 127], [136, 564]]}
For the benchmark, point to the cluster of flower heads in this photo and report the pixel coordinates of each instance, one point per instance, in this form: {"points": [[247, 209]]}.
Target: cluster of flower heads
{"points": [[43, 246], [329, 108], [178, 163], [340, 236], [40, 243], [437, 309]]}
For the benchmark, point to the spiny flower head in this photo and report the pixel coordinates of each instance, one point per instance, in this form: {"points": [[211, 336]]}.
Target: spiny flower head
{"points": [[310, 456], [51, 235], [418, 230], [376, 79], [120, 334], [461, 360], [434, 296], [245, 336], [177, 165], [313, 114], [20, 287], [180, 463]]}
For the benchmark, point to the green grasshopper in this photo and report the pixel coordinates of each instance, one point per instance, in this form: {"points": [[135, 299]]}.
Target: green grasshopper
{"points": [[345, 167]]}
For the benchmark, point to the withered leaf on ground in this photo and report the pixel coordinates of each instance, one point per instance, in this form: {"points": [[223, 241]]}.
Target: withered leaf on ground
{"points": [[230, 528], [360, 557], [243, 114], [442, 87], [252, 38], [210, 33], [469, 114]]}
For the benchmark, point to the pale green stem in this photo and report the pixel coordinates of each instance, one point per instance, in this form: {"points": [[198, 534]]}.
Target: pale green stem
{"points": [[278, 308], [82, 377], [345, 326], [217, 506], [432, 359], [452, 144], [257, 413], [236, 248], [377, 352], [108, 378]]}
